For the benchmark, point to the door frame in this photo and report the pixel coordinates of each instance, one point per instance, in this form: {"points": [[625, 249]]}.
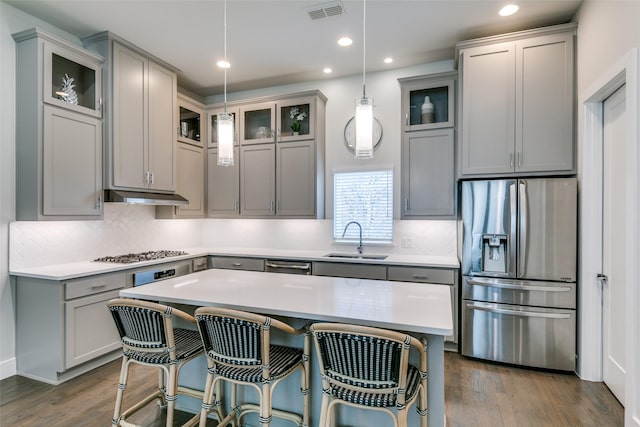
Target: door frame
{"points": [[625, 71]]}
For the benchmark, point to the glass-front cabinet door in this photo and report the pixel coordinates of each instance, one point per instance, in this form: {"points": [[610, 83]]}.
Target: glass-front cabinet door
{"points": [[427, 103], [72, 81], [296, 119], [190, 121], [212, 141], [258, 123]]}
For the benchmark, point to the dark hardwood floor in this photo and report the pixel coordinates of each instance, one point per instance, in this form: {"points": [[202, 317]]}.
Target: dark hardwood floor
{"points": [[476, 394]]}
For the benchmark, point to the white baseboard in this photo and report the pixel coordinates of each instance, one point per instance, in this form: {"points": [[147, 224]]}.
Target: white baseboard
{"points": [[7, 368]]}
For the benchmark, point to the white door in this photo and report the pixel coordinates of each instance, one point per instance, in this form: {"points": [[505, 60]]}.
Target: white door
{"points": [[613, 243]]}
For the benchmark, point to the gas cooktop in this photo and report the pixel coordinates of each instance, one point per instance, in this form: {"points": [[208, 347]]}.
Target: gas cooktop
{"points": [[142, 256]]}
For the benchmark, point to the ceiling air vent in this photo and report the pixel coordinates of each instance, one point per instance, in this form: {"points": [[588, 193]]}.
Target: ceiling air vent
{"points": [[324, 10]]}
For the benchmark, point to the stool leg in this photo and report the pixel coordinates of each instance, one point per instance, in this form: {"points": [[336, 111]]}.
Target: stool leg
{"points": [[265, 405], [206, 398], [122, 384], [171, 393], [306, 395]]}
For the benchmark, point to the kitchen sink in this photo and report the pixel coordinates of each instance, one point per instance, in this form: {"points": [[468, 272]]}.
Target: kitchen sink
{"points": [[355, 256]]}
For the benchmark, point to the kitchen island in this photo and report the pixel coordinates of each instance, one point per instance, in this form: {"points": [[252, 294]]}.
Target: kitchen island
{"points": [[421, 309]]}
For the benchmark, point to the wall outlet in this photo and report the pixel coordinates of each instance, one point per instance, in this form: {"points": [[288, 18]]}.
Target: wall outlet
{"points": [[407, 242]]}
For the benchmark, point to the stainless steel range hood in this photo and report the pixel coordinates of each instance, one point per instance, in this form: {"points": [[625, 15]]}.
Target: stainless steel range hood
{"points": [[139, 197]]}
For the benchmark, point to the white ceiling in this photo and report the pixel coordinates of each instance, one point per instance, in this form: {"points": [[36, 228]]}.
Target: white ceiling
{"points": [[273, 42]]}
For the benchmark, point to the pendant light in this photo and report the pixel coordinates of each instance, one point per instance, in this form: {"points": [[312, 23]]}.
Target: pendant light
{"points": [[225, 120], [364, 105]]}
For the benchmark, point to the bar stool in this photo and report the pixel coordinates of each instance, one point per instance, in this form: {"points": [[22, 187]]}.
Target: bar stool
{"points": [[149, 338], [369, 368], [239, 351]]}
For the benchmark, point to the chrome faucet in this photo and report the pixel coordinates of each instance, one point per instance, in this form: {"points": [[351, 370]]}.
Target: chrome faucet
{"points": [[360, 227]]}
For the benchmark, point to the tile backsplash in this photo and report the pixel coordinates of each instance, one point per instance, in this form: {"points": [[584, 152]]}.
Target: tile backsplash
{"points": [[134, 228], [125, 228]]}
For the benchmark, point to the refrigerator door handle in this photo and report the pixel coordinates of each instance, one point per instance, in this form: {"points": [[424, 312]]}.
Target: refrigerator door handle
{"points": [[525, 286], [513, 226], [523, 226], [493, 309]]}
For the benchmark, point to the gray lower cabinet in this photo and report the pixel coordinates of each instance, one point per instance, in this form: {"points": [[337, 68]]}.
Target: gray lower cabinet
{"points": [[237, 263], [64, 329], [428, 176], [443, 276], [517, 103], [223, 186], [340, 269]]}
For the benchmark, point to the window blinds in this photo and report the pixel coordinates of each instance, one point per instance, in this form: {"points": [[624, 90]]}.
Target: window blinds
{"points": [[366, 197]]}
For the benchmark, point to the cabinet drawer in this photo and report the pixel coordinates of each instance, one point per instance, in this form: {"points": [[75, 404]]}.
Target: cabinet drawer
{"points": [[359, 271], [93, 285], [233, 263], [419, 274]]}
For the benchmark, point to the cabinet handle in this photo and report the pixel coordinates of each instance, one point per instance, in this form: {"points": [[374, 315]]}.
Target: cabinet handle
{"points": [[100, 105], [519, 159], [100, 202], [145, 177], [97, 287], [420, 276], [237, 207], [151, 178], [237, 264], [406, 119], [273, 132], [278, 133], [277, 206], [271, 206], [178, 131], [406, 205], [510, 159]]}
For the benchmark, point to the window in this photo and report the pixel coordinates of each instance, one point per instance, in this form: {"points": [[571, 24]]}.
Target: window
{"points": [[365, 197]]}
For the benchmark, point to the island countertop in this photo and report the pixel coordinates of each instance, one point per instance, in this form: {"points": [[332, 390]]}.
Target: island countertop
{"points": [[412, 307]]}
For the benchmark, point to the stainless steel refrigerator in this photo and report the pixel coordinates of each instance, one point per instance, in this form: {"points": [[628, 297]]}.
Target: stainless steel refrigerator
{"points": [[519, 243]]}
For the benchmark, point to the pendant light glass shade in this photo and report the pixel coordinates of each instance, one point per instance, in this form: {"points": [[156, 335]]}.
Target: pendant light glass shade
{"points": [[225, 139], [364, 128]]}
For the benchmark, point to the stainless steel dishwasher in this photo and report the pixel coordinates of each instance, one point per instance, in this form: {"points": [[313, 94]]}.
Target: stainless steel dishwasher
{"points": [[290, 267]]}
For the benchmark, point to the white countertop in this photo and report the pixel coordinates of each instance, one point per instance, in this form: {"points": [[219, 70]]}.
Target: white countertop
{"points": [[74, 270], [412, 307]]}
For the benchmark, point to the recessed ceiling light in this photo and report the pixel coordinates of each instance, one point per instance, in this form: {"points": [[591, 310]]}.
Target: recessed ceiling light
{"points": [[223, 64], [509, 10], [388, 60], [345, 41], [327, 70]]}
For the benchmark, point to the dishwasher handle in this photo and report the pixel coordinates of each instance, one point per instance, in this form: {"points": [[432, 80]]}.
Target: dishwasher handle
{"points": [[303, 266]]}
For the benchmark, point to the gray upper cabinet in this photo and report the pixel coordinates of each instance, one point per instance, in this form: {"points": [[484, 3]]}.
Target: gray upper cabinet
{"points": [[428, 176], [140, 118], [58, 129], [223, 186], [257, 180], [279, 172], [296, 179], [517, 103], [190, 161], [428, 147]]}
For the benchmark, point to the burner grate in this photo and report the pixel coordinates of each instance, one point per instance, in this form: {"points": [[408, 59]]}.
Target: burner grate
{"points": [[142, 256]]}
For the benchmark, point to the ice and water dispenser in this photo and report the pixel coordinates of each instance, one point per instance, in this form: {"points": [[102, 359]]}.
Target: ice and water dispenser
{"points": [[495, 253]]}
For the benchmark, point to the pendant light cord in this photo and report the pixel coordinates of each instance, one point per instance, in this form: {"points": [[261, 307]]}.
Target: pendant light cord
{"points": [[226, 65], [364, 44]]}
